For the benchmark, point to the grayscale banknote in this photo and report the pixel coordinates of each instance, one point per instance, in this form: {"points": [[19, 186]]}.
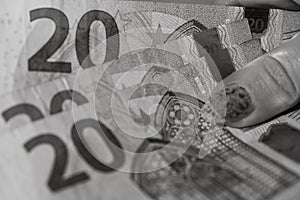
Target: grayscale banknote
{"points": [[110, 99]]}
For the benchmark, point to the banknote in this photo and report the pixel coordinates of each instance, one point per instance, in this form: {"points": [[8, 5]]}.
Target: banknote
{"points": [[140, 78], [36, 41], [208, 15], [175, 66], [53, 97], [118, 89], [229, 36], [27, 60], [180, 117], [184, 133], [71, 34], [268, 136], [40, 101], [93, 156], [270, 25], [199, 54], [224, 156], [155, 82], [67, 157], [77, 36], [36, 50]]}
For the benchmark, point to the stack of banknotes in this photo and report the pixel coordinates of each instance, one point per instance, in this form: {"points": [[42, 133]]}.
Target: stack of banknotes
{"points": [[107, 99]]}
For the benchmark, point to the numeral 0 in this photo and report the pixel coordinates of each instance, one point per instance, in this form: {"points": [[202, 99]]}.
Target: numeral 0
{"points": [[257, 25], [83, 37], [39, 61], [108, 137]]}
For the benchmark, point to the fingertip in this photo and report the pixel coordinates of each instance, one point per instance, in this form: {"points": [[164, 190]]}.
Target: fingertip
{"points": [[269, 90], [233, 103]]}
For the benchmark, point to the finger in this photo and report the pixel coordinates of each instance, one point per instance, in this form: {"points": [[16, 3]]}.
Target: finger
{"points": [[283, 4], [266, 87]]}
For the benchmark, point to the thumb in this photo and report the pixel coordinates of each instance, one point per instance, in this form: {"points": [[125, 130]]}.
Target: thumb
{"points": [[268, 86]]}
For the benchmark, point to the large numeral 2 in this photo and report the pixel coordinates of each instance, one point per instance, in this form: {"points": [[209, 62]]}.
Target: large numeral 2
{"points": [[38, 62]]}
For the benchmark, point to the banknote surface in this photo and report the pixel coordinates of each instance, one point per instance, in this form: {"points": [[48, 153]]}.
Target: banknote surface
{"points": [[109, 99]]}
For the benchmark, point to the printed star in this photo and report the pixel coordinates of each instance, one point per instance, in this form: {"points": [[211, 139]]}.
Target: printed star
{"points": [[121, 21], [158, 37]]}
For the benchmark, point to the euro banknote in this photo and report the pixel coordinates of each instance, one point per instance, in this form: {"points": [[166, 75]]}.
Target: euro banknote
{"points": [[200, 67], [117, 89], [33, 44], [91, 156]]}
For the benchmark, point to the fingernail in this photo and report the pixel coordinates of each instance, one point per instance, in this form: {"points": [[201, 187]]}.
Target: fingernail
{"points": [[233, 102]]}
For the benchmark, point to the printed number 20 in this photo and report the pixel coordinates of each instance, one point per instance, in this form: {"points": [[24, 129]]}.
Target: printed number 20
{"points": [[39, 61], [57, 180]]}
